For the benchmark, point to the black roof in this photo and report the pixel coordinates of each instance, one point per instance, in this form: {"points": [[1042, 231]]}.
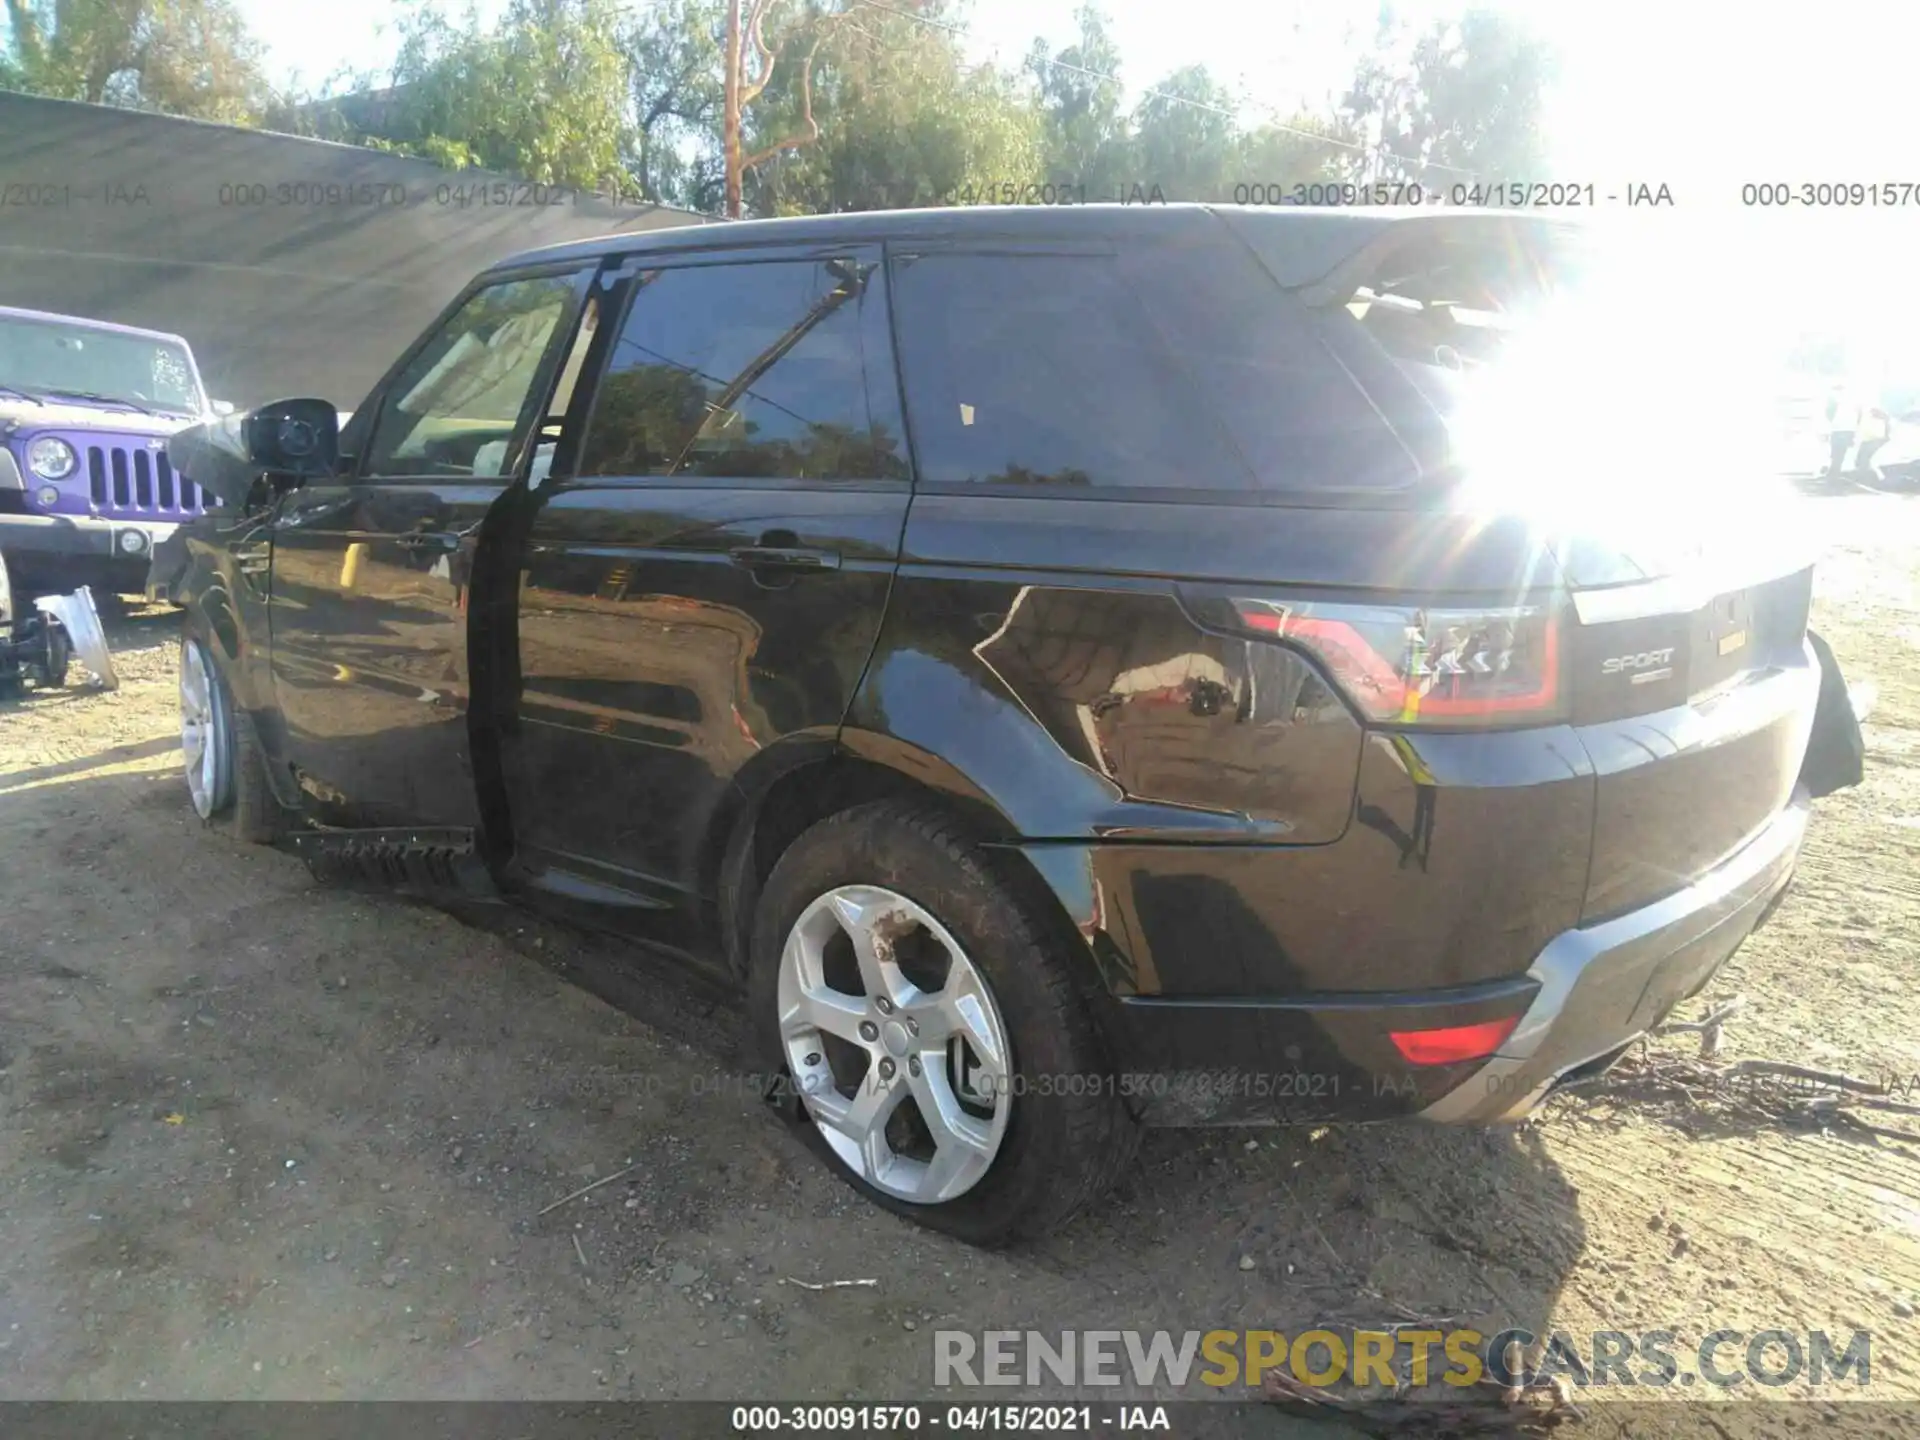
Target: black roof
{"points": [[1307, 243]]}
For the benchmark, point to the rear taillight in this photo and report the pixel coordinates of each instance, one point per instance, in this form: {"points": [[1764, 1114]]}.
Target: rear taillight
{"points": [[1428, 665]]}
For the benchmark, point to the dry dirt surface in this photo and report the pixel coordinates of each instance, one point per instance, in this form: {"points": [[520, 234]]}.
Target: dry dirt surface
{"points": [[267, 1139]]}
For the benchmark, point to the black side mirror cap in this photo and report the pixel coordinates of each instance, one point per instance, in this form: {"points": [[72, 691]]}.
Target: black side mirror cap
{"points": [[294, 437], [228, 456]]}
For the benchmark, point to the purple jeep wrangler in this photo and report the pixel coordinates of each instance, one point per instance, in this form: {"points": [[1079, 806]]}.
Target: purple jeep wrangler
{"points": [[86, 490]]}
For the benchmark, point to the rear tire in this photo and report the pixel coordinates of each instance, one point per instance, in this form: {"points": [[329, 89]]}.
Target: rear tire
{"points": [[225, 766], [1039, 1133]]}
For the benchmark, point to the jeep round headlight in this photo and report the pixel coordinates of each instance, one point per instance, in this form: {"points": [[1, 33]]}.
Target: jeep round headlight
{"points": [[132, 542], [47, 496], [51, 458]]}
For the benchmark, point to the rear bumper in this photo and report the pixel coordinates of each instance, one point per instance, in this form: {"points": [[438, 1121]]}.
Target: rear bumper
{"points": [[81, 536], [1603, 985], [1588, 993]]}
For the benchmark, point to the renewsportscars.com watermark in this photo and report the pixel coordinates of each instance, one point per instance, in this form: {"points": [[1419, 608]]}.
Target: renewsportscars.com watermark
{"points": [[1359, 1358]]}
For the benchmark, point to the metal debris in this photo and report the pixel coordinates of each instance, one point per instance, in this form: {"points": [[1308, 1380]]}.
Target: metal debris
{"points": [[826, 1284]]}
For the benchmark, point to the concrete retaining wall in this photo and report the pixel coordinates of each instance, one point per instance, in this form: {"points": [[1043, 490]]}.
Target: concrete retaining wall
{"points": [[293, 266]]}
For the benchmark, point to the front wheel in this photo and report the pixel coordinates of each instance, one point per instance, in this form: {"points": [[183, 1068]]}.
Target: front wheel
{"points": [[943, 1060], [226, 772]]}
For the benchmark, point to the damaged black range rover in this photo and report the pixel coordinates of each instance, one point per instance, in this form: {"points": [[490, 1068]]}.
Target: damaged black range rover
{"points": [[1071, 669]]}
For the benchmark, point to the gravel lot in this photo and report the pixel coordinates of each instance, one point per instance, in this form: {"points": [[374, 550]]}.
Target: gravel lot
{"points": [[266, 1139]]}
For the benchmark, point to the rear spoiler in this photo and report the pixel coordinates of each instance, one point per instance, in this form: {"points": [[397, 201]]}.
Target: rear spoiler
{"points": [[1326, 256]]}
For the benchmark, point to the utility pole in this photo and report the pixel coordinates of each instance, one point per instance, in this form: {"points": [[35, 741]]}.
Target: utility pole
{"points": [[746, 25], [730, 120]]}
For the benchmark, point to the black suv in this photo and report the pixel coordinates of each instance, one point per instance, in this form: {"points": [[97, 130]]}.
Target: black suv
{"points": [[1046, 658]]}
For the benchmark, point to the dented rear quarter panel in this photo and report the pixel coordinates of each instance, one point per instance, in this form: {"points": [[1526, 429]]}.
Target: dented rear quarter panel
{"points": [[1212, 818]]}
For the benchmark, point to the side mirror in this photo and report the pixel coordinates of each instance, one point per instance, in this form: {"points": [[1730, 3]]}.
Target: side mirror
{"points": [[222, 408], [227, 456], [294, 437]]}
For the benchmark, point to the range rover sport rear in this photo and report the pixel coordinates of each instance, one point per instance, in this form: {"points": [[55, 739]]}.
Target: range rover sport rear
{"points": [[1482, 755]]}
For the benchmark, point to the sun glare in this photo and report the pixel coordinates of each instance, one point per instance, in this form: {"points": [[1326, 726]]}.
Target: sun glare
{"points": [[1643, 384]]}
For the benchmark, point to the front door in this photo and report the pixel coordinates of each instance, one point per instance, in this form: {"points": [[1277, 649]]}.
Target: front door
{"points": [[370, 574], [701, 594]]}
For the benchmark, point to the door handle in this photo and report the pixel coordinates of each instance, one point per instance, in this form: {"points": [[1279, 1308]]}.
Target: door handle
{"points": [[418, 540], [775, 557]]}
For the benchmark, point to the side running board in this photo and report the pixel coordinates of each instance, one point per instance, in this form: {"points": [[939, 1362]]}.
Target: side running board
{"points": [[441, 864]]}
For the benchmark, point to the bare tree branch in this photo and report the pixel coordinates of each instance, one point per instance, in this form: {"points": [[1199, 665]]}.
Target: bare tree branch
{"points": [[794, 142], [769, 55], [28, 37], [748, 28]]}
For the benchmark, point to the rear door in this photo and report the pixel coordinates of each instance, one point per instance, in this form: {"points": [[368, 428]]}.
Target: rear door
{"points": [[370, 575], [702, 590]]}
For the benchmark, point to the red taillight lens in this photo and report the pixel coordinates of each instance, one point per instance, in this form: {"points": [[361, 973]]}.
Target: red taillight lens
{"points": [[1428, 666], [1453, 1044]]}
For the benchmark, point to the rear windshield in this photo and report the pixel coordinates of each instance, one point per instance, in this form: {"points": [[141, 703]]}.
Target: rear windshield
{"points": [[1571, 367], [1456, 311]]}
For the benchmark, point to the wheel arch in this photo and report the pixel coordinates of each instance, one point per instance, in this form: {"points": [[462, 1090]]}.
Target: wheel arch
{"points": [[210, 612], [747, 840]]}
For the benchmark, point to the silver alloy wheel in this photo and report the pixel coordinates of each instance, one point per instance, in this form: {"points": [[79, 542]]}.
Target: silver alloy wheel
{"points": [[206, 733], [908, 1042]]}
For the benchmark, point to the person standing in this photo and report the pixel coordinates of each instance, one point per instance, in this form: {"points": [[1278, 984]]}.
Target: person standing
{"points": [[1843, 421], [1874, 431]]}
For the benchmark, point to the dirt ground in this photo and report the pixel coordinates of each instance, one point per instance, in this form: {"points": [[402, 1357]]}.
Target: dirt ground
{"points": [[266, 1139]]}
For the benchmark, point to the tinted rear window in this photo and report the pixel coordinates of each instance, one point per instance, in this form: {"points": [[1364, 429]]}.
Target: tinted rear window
{"points": [[1182, 368], [1042, 370], [1446, 303]]}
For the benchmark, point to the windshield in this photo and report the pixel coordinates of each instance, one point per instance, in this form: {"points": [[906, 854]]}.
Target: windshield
{"points": [[56, 361]]}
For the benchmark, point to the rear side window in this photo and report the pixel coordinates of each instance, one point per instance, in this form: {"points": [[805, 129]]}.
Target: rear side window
{"points": [[764, 369], [1312, 404], [1044, 370], [1182, 369]]}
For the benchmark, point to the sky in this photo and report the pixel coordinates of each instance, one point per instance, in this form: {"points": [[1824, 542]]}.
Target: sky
{"points": [[1703, 98]]}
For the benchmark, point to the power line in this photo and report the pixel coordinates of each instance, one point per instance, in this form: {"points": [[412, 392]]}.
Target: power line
{"points": [[1189, 101]]}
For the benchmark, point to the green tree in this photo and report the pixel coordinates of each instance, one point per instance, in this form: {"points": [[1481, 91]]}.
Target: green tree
{"points": [[1463, 94], [853, 104], [775, 58], [1481, 80], [543, 94], [181, 57], [901, 117], [675, 65], [1184, 138], [1084, 132], [1305, 151]]}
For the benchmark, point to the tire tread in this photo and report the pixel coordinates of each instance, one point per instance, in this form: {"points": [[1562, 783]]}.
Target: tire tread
{"points": [[252, 814], [1100, 1137], [1101, 1130]]}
